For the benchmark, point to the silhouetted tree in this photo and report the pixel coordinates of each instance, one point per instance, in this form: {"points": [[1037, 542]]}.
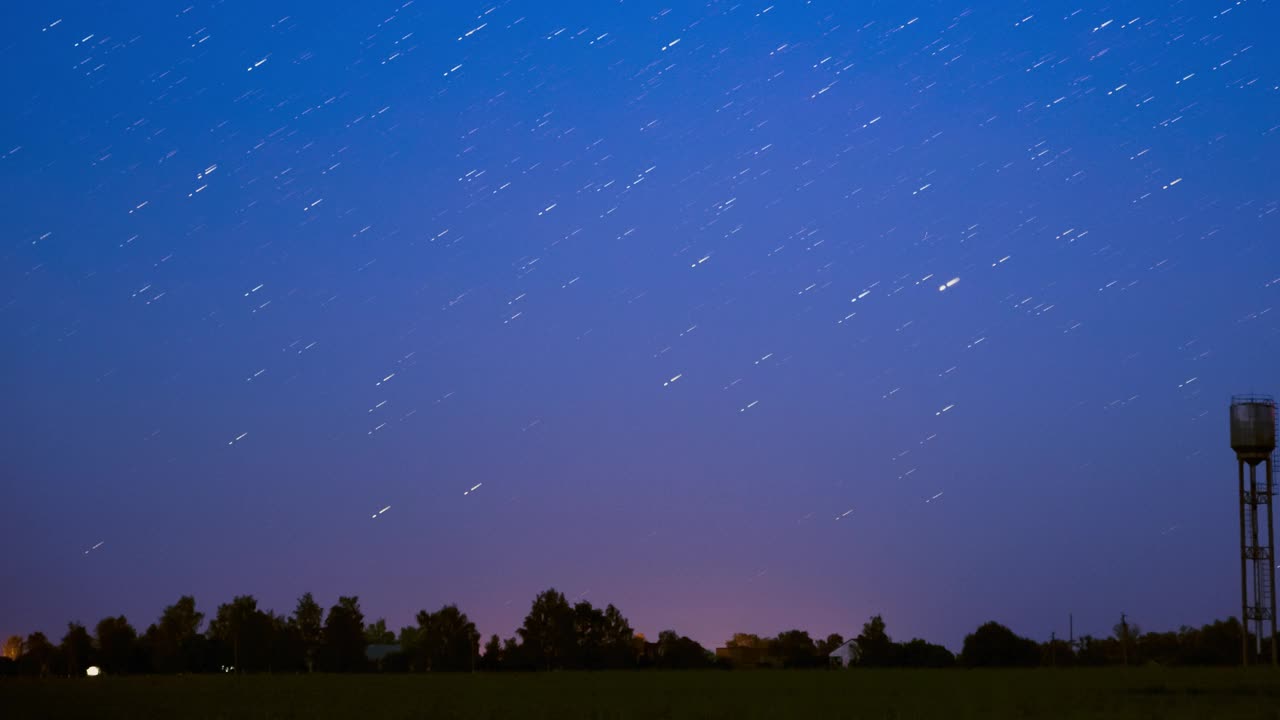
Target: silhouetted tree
{"points": [[491, 660], [921, 654], [76, 650], [378, 634], [747, 640], [751, 650], [344, 645], [1217, 643], [288, 652], [617, 640], [408, 640], [175, 641], [308, 621], [547, 635], [795, 649], [447, 641], [874, 645], [1158, 648], [829, 645], [243, 635], [676, 652], [516, 656], [588, 629], [1057, 653], [994, 645], [117, 641], [554, 635], [38, 655], [1096, 652]]}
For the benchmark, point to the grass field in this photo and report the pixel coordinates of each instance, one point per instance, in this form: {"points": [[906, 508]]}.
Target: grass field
{"points": [[899, 694]]}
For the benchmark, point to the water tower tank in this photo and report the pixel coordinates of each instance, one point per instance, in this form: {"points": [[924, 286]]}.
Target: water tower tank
{"points": [[1253, 426]]}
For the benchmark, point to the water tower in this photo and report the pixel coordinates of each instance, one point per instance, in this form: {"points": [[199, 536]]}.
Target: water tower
{"points": [[1253, 437]]}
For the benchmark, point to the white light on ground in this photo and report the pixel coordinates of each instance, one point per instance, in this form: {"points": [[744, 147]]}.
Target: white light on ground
{"points": [[92, 671]]}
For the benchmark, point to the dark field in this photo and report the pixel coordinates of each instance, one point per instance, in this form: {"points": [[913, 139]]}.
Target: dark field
{"points": [[1107, 693]]}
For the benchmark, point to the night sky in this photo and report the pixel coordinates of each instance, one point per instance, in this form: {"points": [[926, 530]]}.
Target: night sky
{"points": [[742, 316]]}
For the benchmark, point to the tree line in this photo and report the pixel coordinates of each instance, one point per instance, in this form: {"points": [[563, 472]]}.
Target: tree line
{"points": [[555, 635]]}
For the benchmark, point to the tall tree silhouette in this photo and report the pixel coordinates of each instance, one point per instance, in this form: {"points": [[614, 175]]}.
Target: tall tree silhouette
{"points": [[617, 640], [491, 658], [288, 652], [515, 656], [38, 655], [409, 640], [244, 635], [447, 641], [874, 646], [547, 634], [308, 621], [175, 641], [76, 650], [117, 642], [588, 633], [344, 642]]}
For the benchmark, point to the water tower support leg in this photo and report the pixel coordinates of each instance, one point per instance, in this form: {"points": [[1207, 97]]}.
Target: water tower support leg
{"points": [[1244, 581], [1271, 555]]}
